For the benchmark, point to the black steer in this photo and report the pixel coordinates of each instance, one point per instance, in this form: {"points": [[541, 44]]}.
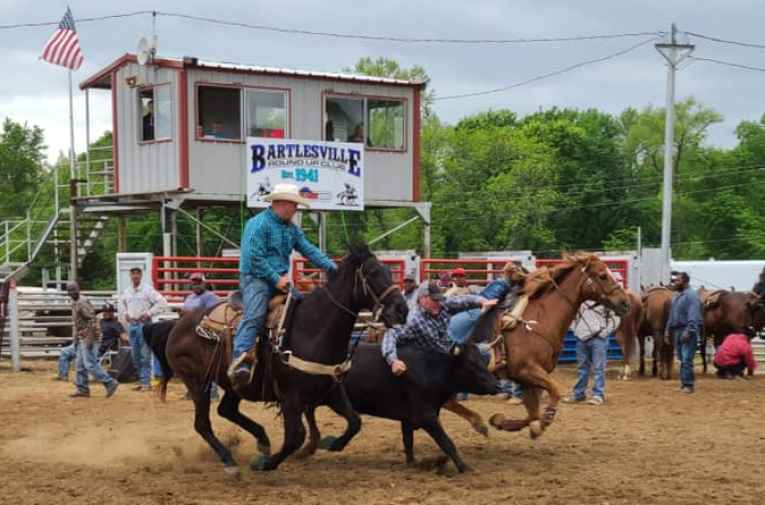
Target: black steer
{"points": [[415, 398]]}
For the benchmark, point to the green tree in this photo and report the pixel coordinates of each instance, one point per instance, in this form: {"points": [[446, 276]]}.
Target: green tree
{"points": [[22, 151]]}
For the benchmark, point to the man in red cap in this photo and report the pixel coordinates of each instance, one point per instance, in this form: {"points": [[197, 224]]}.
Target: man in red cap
{"points": [[459, 283]]}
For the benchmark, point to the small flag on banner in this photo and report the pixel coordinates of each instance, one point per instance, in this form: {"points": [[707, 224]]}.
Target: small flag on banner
{"points": [[63, 48]]}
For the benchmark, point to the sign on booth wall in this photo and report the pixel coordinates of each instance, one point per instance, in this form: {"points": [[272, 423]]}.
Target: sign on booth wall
{"points": [[328, 174]]}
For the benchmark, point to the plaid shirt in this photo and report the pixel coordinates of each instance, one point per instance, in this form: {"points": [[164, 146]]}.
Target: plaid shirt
{"points": [[267, 244], [425, 330]]}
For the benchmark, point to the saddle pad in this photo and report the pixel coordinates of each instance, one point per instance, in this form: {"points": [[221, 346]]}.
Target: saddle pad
{"points": [[221, 320], [510, 320]]}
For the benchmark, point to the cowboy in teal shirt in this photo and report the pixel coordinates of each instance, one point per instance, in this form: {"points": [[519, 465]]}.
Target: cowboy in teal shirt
{"points": [[269, 239]]}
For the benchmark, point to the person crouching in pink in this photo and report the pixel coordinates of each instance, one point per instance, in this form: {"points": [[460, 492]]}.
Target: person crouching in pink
{"points": [[733, 356]]}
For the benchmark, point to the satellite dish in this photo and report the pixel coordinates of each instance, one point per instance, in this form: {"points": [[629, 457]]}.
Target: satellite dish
{"points": [[145, 51]]}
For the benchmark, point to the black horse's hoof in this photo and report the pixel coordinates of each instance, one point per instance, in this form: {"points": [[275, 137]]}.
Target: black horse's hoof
{"points": [[264, 449], [261, 464], [328, 444]]}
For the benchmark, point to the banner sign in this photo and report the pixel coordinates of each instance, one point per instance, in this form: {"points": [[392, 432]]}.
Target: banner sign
{"points": [[328, 174]]}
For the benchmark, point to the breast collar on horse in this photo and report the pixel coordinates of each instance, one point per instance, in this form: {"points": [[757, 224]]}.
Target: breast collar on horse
{"points": [[338, 372]]}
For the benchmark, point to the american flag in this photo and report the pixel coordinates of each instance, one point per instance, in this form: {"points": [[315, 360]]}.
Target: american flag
{"points": [[63, 48]]}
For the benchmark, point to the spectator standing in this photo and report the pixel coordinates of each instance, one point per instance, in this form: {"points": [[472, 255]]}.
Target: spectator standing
{"points": [[201, 298], [592, 327], [683, 326], [138, 304]]}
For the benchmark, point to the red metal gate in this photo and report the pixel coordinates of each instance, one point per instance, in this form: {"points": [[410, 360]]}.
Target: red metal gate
{"points": [[170, 275], [477, 271], [306, 277]]}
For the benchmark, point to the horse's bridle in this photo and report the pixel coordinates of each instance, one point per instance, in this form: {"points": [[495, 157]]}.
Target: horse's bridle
{"points": [[379, 300], [588, 279], [379, 306]]}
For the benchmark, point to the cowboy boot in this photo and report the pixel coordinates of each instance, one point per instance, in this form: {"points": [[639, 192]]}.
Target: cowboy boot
{"points": [[242, 369]]}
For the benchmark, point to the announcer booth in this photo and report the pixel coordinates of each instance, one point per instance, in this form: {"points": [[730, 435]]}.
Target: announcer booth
{"points": [[191, 134]]}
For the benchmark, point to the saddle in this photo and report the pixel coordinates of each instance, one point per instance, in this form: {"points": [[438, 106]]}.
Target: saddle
{"points": [[507, 321], [712, 300], [221, 322]]}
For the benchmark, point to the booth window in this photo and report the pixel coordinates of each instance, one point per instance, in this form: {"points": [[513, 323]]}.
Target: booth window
{"points": [[267, 114], [219, 113], [345, 119], [386, 124], [155, 107], [378, 123]]}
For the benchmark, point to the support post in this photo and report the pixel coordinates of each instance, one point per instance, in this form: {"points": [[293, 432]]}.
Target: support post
{"points": [[674, 53], [122, 234], [13, 327], [322, 231], [423, 208], [198, 231]]}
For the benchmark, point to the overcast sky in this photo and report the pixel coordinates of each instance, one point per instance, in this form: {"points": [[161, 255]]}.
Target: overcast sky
{"points": [[36, 92]]}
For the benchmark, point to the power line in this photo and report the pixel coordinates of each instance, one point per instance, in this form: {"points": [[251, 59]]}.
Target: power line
{"points": [[389, 38], [549, 74], [729, 64], [78, 20], [340, 35], [727, 41]]}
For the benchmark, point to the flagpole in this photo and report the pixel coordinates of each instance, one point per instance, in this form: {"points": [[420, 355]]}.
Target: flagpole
{"points": [[72, 190]]}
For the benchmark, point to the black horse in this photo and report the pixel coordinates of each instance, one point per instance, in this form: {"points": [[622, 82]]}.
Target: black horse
{"points": [[319, 332]]}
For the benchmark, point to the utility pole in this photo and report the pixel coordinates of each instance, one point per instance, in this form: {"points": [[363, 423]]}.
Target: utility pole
{"points": [[674, 53]]}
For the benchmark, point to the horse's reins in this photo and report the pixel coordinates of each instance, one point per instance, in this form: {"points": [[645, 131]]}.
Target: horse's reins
{"points": [[338, 371]]}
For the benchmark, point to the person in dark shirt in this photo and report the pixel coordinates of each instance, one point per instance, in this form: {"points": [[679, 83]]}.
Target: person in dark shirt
{"points": [[148, 122], [759, 288], [111, 330]]}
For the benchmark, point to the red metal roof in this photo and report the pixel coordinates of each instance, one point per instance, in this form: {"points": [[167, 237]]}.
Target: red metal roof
{"points": [[102, 78]]}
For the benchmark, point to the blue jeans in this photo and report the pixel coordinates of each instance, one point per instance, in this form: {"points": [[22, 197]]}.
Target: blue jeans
{"points": [[686, 351], [140, 353], [591, 355], [511, 388], [68, 354], [87, 364], [256, 294], [461, 325]]}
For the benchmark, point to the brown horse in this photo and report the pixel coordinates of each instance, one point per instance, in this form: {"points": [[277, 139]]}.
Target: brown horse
{"points": [[532, 348], [627, 332], [656, 306], [727, 312]]}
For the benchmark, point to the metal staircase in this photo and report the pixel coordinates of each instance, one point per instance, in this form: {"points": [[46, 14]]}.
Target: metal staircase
{"points": [[46, 226]]}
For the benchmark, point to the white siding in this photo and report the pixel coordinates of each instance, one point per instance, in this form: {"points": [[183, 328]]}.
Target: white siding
{"points": [[219, 168], [152, 167]]}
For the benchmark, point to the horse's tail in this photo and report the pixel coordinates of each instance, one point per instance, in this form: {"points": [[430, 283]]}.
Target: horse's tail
{"points": [[156, 335]]}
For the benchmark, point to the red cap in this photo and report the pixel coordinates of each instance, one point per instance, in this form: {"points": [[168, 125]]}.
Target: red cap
{"points": [[197, 276], [458, 272]]}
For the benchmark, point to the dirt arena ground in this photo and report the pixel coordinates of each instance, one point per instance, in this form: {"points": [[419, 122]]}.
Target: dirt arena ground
{"points": [[648, 444]]}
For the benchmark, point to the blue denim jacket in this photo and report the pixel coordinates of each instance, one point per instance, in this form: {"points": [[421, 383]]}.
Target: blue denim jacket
{"points": [[685, 312], [496, 290], [267, 244]]}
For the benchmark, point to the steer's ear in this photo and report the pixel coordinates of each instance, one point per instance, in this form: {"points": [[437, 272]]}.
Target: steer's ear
{"points": [[456, 350]]}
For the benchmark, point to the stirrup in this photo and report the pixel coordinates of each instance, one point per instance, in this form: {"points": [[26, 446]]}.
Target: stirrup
{"points": [[246, 357]]}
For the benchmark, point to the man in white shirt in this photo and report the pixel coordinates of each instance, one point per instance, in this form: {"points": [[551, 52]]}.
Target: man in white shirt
{"points": [[137, 305], [592, 327]]}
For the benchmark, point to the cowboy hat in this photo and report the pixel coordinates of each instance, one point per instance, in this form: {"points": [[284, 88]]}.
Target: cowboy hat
{"points": [[287, 192]]}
